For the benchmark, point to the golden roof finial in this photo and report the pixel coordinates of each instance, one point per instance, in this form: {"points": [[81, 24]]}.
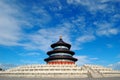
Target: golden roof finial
{"points": [[60, 37]]}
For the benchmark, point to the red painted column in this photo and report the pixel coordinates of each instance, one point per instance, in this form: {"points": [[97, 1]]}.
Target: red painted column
{"points": [[61, 62]]}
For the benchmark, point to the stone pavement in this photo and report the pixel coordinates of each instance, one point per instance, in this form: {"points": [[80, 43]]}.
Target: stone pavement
{"points": [[21, 78]]}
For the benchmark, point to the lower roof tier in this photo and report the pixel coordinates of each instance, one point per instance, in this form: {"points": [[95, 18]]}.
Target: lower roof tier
{"points": [[60, 57]]}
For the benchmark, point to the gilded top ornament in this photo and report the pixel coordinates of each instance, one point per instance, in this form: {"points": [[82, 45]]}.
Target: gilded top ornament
{"points": [[60, 37]]}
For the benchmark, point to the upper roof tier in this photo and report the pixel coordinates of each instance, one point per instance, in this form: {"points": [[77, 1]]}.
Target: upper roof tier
{"points": [[60, 43]]}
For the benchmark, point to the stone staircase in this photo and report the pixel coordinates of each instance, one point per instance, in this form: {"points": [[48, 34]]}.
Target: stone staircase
{"points": [[92, 73]]}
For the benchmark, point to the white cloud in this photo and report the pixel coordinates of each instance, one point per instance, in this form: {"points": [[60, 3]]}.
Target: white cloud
{"points": [[109, 45], [86, 38], [29, 62], [45, 37], [30, 54], [83, 59], [7, 66], [10, 30], [13, 19], [94, 58], [118, 56], [116, 16], [79, 22], [115, 66], [93, 5], [106, 29], [56, 5], [107, 32], [43, 16]]}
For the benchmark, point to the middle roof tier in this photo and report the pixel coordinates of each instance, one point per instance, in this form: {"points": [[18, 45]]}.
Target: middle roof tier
{"points": [[60, 51]]}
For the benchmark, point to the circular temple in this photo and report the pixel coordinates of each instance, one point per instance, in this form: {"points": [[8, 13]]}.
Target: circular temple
{"points": [[61, 53]]}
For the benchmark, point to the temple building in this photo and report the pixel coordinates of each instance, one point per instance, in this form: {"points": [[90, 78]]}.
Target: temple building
{"points": [[61, 64], [60, 54]]}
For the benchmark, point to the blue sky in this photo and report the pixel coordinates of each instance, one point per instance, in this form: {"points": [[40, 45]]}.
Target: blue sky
{"points": [[29, 27]]}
